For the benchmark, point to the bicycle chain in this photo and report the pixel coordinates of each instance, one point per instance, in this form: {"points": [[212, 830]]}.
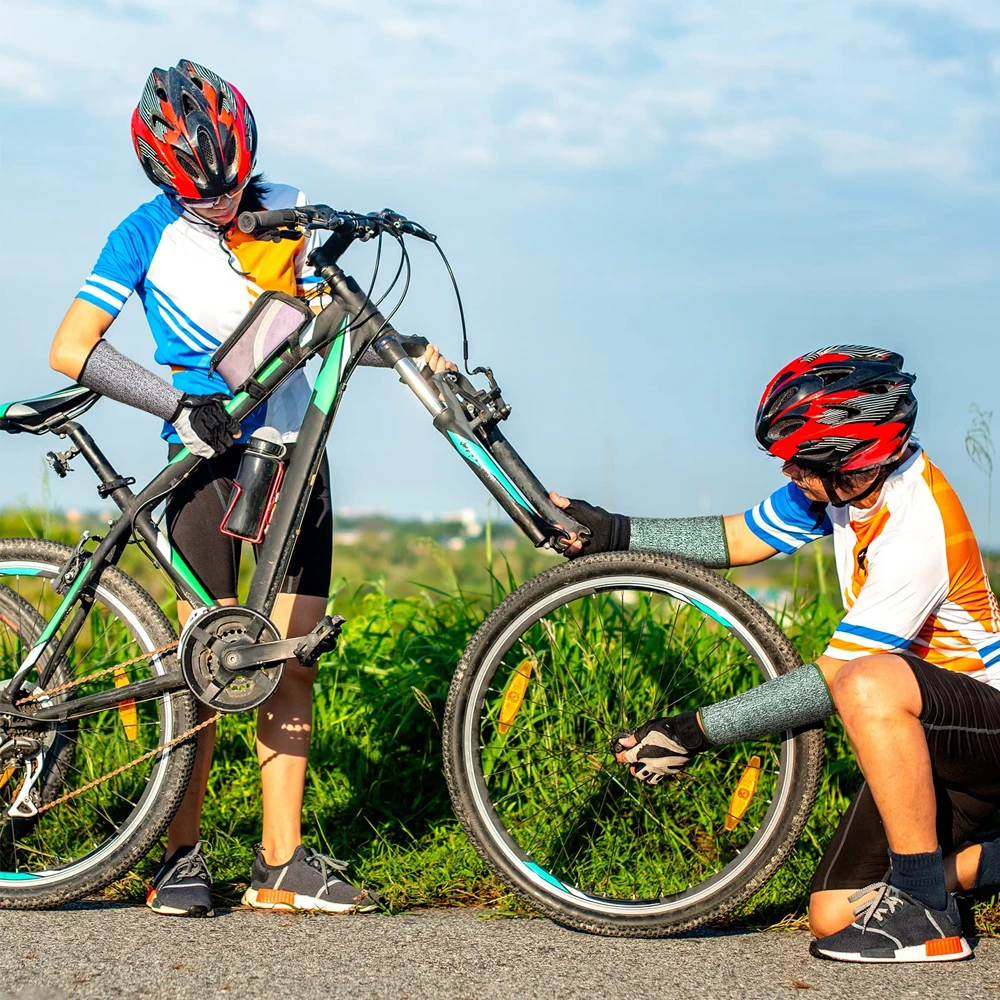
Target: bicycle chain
{"points": [[125, 767], [98, 673]]}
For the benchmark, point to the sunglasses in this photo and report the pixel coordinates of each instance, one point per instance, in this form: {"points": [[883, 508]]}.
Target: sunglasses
{"points": [[218, 202]]}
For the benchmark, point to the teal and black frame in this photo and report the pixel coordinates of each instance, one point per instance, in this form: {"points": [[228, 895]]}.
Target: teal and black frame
{"points": [[587, 649], [341, 334]]}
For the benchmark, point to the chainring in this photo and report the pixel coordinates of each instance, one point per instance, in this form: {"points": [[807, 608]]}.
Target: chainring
{"points": [[203, 642]]}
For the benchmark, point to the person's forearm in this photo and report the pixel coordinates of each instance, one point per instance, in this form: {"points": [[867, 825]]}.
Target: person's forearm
{"points": [[110, 373], [798, 698], [702, 539]]}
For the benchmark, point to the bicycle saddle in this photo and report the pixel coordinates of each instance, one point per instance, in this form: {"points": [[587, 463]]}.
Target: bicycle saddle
{"points": [[43, 413]]}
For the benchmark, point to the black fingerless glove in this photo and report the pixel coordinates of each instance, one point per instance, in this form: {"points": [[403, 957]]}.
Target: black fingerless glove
{"points": [[608, 532], [204, 425]]}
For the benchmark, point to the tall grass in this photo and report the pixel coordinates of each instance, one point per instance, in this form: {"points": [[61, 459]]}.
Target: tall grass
{"points": [[376, 794]]}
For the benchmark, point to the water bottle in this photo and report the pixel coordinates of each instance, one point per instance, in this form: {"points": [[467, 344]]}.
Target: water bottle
{"points": [[255, 488]]}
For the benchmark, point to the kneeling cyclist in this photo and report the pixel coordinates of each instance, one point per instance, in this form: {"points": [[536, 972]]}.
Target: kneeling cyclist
{"points": [[903, 668]]}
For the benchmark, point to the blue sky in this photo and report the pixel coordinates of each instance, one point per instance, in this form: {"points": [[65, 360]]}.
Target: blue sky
{"points": [[650, 207]]}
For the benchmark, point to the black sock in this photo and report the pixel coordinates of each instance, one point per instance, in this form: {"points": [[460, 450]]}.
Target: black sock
{"points": [[988, 872], [920, 876]]}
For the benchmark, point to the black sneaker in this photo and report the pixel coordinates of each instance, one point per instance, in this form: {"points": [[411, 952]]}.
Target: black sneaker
{"points": [[895, 927], [308, 881], [182, 886]]}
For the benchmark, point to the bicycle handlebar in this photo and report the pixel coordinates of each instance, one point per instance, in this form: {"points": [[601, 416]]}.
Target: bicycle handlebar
{"points": [[285, 223], [252, 222]]}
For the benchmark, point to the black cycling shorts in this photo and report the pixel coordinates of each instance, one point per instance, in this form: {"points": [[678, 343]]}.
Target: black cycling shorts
{"points": [[194, 513], [961, 719]]}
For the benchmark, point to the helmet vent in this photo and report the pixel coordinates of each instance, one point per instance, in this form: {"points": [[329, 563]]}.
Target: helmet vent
{"points": [[783, 428], [831, 375], [189, 166], [207, 150], [783, 399], [230, 155]]}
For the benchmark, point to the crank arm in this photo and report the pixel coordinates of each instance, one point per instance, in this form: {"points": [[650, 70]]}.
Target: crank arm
{"points": [[307, 649], [260, 654]]}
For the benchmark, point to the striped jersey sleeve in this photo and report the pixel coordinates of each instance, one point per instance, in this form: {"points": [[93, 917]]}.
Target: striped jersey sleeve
{"points": [[788, 519], [120, 268]]}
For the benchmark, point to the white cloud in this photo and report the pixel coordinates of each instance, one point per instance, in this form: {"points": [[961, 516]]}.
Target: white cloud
{"points": [[486, 84]]}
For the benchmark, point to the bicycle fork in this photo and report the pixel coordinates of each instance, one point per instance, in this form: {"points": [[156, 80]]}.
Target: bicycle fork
{"points": [[472, 431]]}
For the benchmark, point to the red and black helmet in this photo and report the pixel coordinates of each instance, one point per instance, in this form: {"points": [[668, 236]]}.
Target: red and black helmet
{"points": [[839, 409], [194, 133]]}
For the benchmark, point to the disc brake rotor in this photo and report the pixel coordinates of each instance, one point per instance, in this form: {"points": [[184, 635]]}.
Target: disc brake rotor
{"points": [[202, 646]]}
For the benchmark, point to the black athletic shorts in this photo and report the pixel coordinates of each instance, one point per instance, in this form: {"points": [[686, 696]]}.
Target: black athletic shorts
{"points": [[961, 719], [194, 513]]}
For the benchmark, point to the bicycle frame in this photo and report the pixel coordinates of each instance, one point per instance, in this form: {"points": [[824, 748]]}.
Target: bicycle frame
{"points": [[341, 333]]}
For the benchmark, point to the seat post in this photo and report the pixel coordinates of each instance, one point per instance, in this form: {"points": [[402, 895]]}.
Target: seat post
{"points": [[111, 485]]}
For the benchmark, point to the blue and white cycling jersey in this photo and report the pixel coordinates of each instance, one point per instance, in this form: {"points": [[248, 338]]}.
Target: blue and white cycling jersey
{"points": [[196, 287]]}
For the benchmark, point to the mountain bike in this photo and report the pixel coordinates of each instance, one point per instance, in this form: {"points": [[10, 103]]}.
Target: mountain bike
{"points": [[98, 693]]}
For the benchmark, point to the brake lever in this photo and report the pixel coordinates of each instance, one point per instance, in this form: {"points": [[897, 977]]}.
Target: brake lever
{"points": [[403, 225]]}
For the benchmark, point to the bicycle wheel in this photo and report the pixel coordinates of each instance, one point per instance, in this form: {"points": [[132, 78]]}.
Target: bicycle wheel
{"points": [[101, 804], [583, 651]]}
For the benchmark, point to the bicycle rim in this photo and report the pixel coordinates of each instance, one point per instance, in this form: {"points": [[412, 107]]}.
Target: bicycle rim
{"points": [[571, 669], [86, 832]]}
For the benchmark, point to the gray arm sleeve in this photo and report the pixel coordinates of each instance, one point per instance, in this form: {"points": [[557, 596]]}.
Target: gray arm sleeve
{"points": [[110, 373], [702, 539], [798, 698], [414, 346]]}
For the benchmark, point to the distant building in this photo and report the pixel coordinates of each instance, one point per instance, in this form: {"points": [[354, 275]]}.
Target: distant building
{"points": [[467, 518]]}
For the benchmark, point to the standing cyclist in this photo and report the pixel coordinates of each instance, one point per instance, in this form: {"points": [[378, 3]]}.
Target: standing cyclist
{"points": [[918, 600], [197, 277]]}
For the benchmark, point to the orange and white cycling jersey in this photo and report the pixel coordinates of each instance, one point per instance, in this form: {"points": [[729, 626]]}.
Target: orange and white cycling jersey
{"points": [[911, 574]]}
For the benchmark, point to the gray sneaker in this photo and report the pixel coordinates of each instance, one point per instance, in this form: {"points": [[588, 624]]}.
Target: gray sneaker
{"points": [[895, 927], [307, 881], [182, 886]]}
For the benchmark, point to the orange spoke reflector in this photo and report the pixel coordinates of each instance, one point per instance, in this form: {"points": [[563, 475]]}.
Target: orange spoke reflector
{"points": [[5, 775], [514, 695], [745, 789], [126, 708]]}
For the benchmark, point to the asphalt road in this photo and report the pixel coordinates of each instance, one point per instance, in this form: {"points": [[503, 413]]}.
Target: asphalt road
{"points": [[100, 951]]}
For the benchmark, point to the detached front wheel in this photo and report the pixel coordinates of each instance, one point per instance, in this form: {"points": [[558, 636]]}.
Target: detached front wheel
{"points": [[586, 650]]}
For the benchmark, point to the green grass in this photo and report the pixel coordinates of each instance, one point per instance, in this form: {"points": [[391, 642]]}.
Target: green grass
{"points": [[376, 793]]}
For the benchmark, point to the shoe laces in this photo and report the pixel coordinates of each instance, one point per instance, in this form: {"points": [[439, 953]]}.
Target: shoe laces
{"points": [[884, 902], [193, 865], [326, 865]]}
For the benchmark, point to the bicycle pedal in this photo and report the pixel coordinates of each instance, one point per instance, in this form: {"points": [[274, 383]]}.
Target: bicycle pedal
{"points": [[320, 640]]}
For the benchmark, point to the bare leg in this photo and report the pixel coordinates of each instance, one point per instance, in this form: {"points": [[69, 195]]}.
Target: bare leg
{"points": [[879, 701], [185, 828], [284, 726]]}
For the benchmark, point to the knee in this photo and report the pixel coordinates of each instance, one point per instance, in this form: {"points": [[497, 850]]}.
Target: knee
{"points": [[869, 685]]}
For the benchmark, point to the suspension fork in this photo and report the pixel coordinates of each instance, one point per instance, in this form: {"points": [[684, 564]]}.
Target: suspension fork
{"points": [[491, 457]]}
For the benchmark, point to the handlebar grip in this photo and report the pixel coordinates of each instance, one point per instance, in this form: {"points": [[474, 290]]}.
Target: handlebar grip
{"points": [[251, 222]]}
